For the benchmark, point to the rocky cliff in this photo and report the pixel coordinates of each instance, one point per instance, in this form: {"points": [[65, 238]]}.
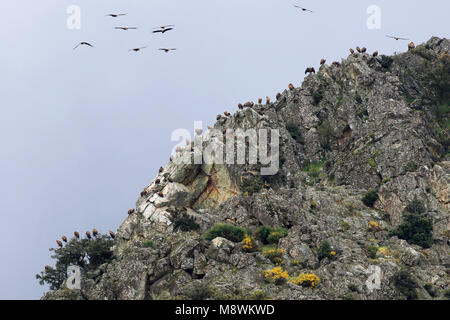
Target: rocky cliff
{"points": [[377, 123]]}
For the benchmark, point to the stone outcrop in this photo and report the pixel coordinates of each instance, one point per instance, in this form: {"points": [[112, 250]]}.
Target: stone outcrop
{"points": [[371, 123]]}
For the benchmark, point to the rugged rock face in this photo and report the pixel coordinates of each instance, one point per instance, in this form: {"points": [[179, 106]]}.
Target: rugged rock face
{"points": [[370, 123]]}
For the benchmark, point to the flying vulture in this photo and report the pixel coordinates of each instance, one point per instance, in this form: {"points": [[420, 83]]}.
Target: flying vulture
{"points": [[83, 43]]}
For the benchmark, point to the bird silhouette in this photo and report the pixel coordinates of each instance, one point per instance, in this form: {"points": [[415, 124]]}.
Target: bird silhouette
{"points": [[126, 28], [112, 234], [83, 43], [303, 9], [163, 29], [137, 49], [396, 38], [115, 15], [167, 49]]}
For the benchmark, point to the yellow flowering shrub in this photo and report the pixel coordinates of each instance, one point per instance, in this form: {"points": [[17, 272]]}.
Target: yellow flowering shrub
{"points": [[306, 280], [332, 253], [275, 255], [248, 243], [374, 226], [277, 275]]}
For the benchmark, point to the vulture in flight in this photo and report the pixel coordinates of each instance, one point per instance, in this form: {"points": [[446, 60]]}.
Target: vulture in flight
{"points": [[167, 49], [126, 28], [137, 49], [83, 43], [303, 9], [115, 15], [163, 29], [396, 38]]}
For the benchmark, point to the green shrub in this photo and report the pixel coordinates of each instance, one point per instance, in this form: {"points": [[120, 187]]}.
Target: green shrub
{"points": [[295, 132], [415, 228], [386, 61], [269, 235], [198, 291], [251, 185], [353, 287], [185, 223], [416, 206], [317, 96], [262, 233], [411, 166], [326, 133], [227, 231], [431, 290], [147, 244], [372, 251], [88, 254], [277, 234], [370, 198], [406, 284], [447, 293], [324, 250]]}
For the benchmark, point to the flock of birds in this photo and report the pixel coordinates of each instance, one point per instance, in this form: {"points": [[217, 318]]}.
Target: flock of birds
{"points": [[161, 29], [167, 28], [88, 236]]}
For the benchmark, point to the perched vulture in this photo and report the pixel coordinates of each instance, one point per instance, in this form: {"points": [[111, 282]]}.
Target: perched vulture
{"points": [[322, 61], [161, 194], [218, 117], [60, 244], [112, 234], [260, 101], [88, 234], [240, 106], [278, 96], [64, 238], [291, 86], [310, 70], [95, 232], [363, 50], [411, 46], [352, 51], [375, 54], [131, 211], [358, 49], [161, 169], [76, 234], [267, 100], [157, 181]]}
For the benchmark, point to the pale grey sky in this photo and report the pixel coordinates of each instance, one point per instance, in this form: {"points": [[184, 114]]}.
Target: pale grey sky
{"points": [[83, 131]]}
